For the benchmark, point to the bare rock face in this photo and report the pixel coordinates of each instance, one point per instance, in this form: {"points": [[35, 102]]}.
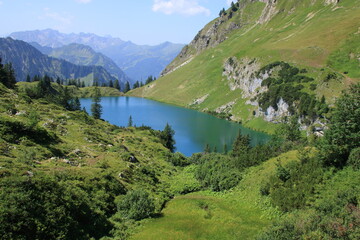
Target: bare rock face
{"points": [[332, 1], [241, 74], [268, 12]]}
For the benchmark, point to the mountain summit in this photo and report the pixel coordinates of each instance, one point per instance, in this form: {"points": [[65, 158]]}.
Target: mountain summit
{"points": [[137, 61]]}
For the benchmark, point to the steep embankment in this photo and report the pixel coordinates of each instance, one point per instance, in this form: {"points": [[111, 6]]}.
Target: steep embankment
{"points": [[220, 69]]}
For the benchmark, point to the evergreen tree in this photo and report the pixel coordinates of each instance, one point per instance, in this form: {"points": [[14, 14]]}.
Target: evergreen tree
{"points": [[136, 85], [117, 84], [28, 78], [7, 75], [77, 104], [96, 108], [167, 137], [130, 123], [225, 148], [127, 87], [343, 134], [241, 145], [111, 84], [207, 148], [58, 81], [96, 82]]}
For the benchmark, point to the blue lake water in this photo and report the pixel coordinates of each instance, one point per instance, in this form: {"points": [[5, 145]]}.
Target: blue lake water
{"points": [[193, 129]]}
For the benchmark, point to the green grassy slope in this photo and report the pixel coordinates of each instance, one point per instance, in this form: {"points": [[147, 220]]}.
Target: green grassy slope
{"points": [[241, 213], [306, 33], [55, 140]]}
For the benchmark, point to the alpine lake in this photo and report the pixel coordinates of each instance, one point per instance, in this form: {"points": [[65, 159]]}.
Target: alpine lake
{"points": [[193, 129]]}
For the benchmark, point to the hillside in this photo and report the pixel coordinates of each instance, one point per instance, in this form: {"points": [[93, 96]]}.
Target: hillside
{"points": [[232, 65], [84, 55], [137, 61], [27, 60], [54, 160]]}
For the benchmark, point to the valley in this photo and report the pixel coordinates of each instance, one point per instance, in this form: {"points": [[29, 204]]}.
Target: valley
{"points": [[251, 131]]}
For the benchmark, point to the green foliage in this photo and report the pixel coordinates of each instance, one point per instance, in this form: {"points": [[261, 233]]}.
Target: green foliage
{"points": [[286, 83], [217, 172], [241, 145], [178, 159], [117, 84], [354, 158], [40, 208], [294, 184], [343, 134], [167, 138], [334, 214], [130, 122], [96, 108], [127, 87], [136, 205], [290, 130], [7, 75]]}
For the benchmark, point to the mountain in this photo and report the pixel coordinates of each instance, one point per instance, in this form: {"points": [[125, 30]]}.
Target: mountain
{"points": [[137, 61], [27, 60], [80, 54], [263, 60]]}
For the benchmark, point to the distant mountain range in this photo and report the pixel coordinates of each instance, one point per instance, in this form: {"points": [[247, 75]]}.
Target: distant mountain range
{"points": [[27, 60], [137, 61], [80, 54]]}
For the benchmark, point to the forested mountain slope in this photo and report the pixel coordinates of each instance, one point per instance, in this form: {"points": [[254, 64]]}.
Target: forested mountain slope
{"points": [[265, 59], [27, 60]]}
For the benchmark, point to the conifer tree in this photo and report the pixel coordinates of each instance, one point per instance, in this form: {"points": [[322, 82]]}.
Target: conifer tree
{"points": [[130, 123], [96, 108], [127, 87], [117, 84], [241, 145], [167, 137]]}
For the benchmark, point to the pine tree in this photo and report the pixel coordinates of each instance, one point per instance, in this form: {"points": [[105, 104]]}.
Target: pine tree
{"points": [[95, 83], [111, 84], [207, 148], [28, 78], [117, 84], [130, 123], [77, 104], [96, 108], [7, 75], [127, 87], [241, 145], [167, 137]]}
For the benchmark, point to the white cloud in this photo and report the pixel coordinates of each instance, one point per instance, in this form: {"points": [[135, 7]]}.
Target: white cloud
{"points": [[185, 7], [63, 18], [83, 1]]}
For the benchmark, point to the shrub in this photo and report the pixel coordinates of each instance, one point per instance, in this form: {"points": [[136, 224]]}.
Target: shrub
{"points": [[136, 205]]}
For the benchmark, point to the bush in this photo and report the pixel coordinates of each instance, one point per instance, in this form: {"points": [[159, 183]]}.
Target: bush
{"points": [[178, 159], [136, 205], [354, 158]]}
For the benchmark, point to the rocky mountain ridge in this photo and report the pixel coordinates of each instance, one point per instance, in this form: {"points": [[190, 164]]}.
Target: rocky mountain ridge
{"points": [[27, 60], [80, 54], [137, 61]]}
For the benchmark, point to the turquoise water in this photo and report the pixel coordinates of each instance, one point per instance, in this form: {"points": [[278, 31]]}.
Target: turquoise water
{"points": [[193, 129]]}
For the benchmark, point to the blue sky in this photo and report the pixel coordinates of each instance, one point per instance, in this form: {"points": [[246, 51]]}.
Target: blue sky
{"points": [[140, 21]]}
